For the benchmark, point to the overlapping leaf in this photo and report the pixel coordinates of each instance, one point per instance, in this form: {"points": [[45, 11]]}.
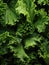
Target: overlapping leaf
{"points": [[31, 42], [27, 8], [42, 21]]}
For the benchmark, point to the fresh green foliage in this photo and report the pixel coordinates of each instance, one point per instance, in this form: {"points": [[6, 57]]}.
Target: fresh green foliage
{"points": [[24, 32]]}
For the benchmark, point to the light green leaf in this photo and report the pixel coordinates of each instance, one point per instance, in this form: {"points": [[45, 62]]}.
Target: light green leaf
{"points": [[10, 17], [27, 8], [32, 41], [19, 52], [43, 1], [42, 21]]}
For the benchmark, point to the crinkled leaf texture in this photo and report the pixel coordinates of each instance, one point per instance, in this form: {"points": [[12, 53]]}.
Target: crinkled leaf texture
{"points": [[27, 8], [24, 32], [10, 16], [31, 42]]}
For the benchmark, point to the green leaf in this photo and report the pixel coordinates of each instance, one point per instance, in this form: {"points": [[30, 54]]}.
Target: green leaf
{"points": [[32, 41], [10, 16], [27, 8], [43, 1], [43, 51], [3, 36], [42, 21], [19, 52]]}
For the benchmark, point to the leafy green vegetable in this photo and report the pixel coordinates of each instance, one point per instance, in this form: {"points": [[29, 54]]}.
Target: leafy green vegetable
{"points": [[32, 41], [27, 8], [24, 32]]}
